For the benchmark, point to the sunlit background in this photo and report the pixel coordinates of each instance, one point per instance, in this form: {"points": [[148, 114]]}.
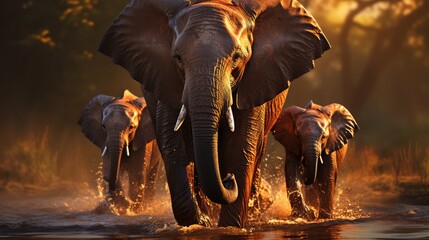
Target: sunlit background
{"points": [[378, 68]]}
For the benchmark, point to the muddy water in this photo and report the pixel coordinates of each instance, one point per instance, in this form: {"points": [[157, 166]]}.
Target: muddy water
{"points": [[67, 212]]}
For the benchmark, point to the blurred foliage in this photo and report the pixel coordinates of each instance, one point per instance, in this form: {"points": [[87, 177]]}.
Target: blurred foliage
{"points": [[50, 67]]}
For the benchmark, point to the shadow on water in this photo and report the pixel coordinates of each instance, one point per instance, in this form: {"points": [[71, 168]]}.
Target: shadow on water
{"points": [[68, 213]]}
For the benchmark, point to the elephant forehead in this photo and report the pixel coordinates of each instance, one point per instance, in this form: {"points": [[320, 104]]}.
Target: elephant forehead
{"points": [[214, 19], [313, 118], [314, 113], [122, 108]]}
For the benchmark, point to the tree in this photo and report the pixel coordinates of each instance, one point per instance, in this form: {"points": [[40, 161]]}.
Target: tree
{"points": [[389, 30]]}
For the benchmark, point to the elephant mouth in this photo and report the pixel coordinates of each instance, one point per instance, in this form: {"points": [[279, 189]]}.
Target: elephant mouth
{"points": [[309, 168], [183, 113]]}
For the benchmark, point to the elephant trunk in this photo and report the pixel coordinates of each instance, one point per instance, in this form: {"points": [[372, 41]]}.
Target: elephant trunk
{"points": [[206, 105], [311, 153], [115, 145], [207, 164]]}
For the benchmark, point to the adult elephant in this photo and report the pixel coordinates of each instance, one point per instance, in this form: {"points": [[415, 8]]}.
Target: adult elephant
{"points": [[315, 139], [122, 129], [223, 67]]}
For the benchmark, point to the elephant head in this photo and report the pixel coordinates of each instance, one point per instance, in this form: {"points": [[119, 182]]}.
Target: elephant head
{"points": [[204, 56], [314, 131], [113, 124]]}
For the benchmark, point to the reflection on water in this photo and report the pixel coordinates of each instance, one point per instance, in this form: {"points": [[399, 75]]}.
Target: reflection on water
{"points": [[68, 212], [386, 229]]}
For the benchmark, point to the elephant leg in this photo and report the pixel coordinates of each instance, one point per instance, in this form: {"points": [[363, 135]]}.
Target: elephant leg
{"points": [[172, 147], [326, 180], [264, 194], [207, 207], [116, 197], [153, 158], [239, 151], [261, 195], [135, 169], [292, 175], [114, 201], [254, 204]]}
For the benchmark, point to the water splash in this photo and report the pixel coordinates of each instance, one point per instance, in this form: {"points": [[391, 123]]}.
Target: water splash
{"points": [[101, 184], [120, 204], [347, 205]]}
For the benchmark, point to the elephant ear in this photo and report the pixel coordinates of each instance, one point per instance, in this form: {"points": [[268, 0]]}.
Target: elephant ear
{"points": [[343, 126], [284, 129], [287, 40], [138, 102], [139, 40], [90, 119], [128, 95], [145, 132]]}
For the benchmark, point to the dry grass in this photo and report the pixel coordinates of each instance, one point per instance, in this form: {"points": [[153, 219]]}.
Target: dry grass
{"points": [[401, 174], [412, 160], [29, 161], [400, 164]]}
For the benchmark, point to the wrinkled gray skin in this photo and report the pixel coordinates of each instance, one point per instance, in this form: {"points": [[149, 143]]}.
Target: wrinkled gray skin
{"points": [[208, 56], [315, 140], [115, 124]]}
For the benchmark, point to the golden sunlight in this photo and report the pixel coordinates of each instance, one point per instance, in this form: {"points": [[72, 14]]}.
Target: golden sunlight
{"points": [[337, 14]]}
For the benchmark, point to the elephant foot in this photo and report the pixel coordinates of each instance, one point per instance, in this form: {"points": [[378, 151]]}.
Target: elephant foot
{"points": [[102, 208], [138, 204], [308, 214], [300, 209], [137, 207], [205, 220], [325, 214], [201, 219], [118, 204], [194, 216], [232, 216]]}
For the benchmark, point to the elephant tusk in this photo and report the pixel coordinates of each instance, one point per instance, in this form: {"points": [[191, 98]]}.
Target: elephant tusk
{"points": [[181, 118], [230, 118], [104, 151], [321, 160], [128, 150]]}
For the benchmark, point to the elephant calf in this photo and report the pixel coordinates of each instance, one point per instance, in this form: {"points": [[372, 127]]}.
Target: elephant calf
{"points": [[315, 140], [122, 129]]}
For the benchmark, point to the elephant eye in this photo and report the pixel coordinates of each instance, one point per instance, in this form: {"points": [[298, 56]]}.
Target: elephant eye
{"points": [[178, 59], [105, 112], [324, 136], [236, 57]]}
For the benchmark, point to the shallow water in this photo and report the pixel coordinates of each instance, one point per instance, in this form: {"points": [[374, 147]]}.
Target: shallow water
{"points": [[67, 212]]}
